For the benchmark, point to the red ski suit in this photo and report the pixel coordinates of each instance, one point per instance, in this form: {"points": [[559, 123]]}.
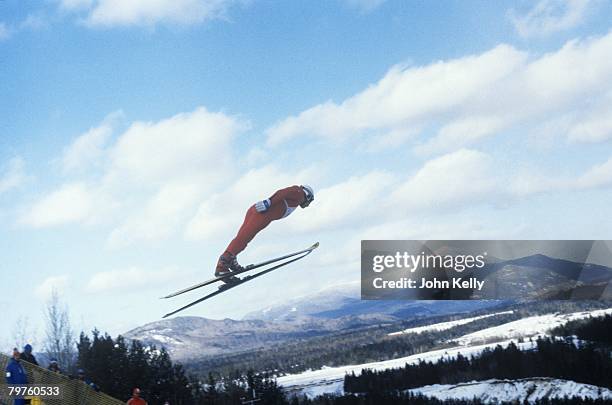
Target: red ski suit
{"points": [[282, 203]]}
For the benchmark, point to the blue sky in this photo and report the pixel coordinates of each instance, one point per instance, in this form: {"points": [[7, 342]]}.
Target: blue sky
{"points": [[135, 134]]}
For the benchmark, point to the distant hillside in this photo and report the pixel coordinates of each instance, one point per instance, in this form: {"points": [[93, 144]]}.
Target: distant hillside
{"points": [[192, 337], [344, 300], [585, 272], [541, 277], [328, 311]]}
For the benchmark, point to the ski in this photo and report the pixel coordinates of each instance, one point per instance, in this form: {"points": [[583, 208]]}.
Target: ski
{"points": [[227, 287], [247, 268]]}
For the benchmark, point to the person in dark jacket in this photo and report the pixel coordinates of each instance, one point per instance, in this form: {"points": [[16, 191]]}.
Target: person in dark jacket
{"points": [[81, 376], [27, 355], [53, 366], [16, 374]]}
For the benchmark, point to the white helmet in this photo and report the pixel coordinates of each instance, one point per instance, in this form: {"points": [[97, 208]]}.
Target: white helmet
{"points": [[309, 194]]}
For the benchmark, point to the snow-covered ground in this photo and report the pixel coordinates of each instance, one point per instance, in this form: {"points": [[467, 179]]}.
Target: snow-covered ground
{"points": [[167, 340], [437, 327], [530, 389], [330, 380], [527, 327]]}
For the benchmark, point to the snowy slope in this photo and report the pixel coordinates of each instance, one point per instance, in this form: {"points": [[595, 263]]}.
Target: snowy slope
{"points": [[527, 327], [437, 327], [530, 389], [330, 380]]}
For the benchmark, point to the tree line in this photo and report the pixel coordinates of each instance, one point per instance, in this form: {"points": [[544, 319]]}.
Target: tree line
{"points": [[597, 329], [404, 398], [551, 358], [116, 367], [342, 348], [370, 344]]}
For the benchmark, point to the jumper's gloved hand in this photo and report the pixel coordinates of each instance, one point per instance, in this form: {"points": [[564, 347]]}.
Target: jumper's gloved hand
{"points": [[262, 206]]}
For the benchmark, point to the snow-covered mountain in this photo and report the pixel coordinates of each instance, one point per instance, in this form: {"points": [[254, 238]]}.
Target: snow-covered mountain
{"points": [[541, 277], [344, 300], [585, 272], [527, 389], [189, 338], [327, 311]]}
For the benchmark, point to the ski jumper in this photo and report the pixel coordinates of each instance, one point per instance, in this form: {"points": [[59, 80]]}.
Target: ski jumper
{"points": [[282, 203]]}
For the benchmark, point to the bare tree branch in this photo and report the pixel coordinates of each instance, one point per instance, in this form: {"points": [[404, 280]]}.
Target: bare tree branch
{"points": [[60, 341]]}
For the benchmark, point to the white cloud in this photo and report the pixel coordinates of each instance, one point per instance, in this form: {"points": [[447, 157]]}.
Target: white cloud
{"points": [[451, 179], [462, 101], [5, 33], [595, 124], [147, 182], [132, 279], [463, 131], [88, 148], [352, 201], [234, 200], [356, 202], [597, 176], [172, 163], [13, 176], [108, 13], [455, 227], [159, 217], [403, 98], [550, 16], [51, 284], [458, 180], [597, 129], [188, 145], [73, 202], [256, 156], [530, 183]]}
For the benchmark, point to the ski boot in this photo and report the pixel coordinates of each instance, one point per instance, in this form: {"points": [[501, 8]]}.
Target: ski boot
{"points": [[228, 263]]}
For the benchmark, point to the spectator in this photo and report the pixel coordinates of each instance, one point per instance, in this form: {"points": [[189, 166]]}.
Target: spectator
{"points": [[15, 374], [53, 366], [27, 355], [136, 400], [81, 376]]}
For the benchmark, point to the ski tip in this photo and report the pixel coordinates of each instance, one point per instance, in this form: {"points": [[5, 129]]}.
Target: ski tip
{"points": [[316, 245]]}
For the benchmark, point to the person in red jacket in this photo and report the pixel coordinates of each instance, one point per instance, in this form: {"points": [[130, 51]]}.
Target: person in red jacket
{"points": [[136, 400], [259, 215]]}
